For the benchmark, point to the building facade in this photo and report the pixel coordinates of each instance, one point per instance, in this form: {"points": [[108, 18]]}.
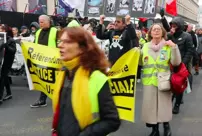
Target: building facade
{"points": [[200, 16], [188, 9]]}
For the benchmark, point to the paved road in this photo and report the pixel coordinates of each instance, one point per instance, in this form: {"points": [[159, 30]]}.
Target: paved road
{"points": [[18, 119]]}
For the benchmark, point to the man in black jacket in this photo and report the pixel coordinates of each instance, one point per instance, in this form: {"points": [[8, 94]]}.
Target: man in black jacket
{"points": [[10, 50], [185, 45], [122, 38], [192, 33]]}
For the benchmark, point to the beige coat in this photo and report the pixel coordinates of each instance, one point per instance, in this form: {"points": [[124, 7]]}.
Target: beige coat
{"points": [[157, 105]]}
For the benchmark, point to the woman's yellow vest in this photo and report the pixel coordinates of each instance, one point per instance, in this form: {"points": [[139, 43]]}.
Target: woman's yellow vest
{"points": [[152, 67], [96, 82], [51, 38]]}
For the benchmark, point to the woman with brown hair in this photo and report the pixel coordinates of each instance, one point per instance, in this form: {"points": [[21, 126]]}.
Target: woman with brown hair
{"points": [[85, 107], [156, 57]]}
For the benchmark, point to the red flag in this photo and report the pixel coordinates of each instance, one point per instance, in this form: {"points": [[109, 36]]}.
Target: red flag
{"points": [[142, 19], [171, 7]]}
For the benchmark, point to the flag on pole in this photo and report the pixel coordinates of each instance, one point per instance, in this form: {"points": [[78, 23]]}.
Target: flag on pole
{"points": [[171, 7]]}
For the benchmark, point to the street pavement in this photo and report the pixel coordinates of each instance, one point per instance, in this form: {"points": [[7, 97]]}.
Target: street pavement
{"points": [[18, 119]]}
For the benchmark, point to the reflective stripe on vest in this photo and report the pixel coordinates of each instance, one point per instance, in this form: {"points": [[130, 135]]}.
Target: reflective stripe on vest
{"points": [[152, 67], [96, 82], [157, 66], [51, 38]]}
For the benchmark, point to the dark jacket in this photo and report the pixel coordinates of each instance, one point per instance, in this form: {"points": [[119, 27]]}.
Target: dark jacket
{"points": [[192, 33], [68, 125], [199, 50], [10, 50], [183, 40], [121, 41], [36, 25]]}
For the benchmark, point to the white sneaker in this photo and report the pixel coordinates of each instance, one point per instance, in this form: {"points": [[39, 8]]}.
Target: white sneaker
{"points": [[138, 80]]}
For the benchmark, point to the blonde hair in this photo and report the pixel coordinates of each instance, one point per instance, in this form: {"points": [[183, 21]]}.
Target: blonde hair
{"points": [[164, 33]]}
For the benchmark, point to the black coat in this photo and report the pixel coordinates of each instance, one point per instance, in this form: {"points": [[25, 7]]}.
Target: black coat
{"points": [[10, 50], [183, 40], [68, 124]]}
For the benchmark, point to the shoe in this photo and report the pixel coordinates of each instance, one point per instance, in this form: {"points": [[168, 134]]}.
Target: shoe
{"points": [[182, 102], [7, 97], [1, 102], [176, 109], [197, 73], [167, 130], [155, 131], [138, 80], [38, 104]]}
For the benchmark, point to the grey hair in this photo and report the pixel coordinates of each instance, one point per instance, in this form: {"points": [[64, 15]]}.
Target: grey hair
{"points": [[45, 17]]}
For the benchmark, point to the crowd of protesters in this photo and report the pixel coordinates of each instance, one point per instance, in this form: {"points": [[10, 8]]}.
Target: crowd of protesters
{"points": [[185, 45]]}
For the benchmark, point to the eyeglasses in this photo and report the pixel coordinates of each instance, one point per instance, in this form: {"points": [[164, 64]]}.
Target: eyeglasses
{"points": [[156, 29], [64, 41]]}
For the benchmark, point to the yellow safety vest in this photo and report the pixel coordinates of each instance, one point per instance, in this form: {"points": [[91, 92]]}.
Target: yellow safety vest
{"points": [[142, 41], [151, 67], [96, 82], [51, 38]]}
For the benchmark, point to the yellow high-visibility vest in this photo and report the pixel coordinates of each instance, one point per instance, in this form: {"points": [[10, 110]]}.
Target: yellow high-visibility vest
{"points": [[52, 38], [96, 82], [152, 67]]}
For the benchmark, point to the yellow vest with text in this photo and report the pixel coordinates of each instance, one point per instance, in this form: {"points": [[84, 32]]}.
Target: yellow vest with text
{"points": [[52, 38], [152, 67]]}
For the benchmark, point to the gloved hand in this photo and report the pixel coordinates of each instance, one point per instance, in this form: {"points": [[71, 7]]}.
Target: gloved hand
{"points": [[162, 13]]}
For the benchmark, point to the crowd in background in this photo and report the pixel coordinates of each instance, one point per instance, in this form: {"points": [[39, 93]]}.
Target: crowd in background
{"points": [[117, 38]]}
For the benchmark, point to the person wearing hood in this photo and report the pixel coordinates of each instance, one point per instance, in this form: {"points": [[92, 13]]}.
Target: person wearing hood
{"points": [[24, 31], [34, 27], [185, 44], [122, 38]]}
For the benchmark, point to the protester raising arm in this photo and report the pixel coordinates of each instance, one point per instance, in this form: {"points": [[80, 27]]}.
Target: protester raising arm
{"points": [[130, 32], [100, 33]]}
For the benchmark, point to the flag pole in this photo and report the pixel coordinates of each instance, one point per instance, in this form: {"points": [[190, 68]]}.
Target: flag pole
{"points": [[163, 4]]}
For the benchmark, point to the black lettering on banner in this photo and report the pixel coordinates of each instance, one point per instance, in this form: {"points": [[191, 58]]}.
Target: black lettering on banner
{"points": [[124, 108], [123, 86], [122, 70], [41, 57], [49, 90], [46, 74]]}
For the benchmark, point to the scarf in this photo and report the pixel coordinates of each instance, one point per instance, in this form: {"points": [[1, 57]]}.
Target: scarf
{"points": [[157, 47], [80, 93]]}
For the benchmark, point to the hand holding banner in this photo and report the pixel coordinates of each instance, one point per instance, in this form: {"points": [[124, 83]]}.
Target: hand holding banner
{"points": [[44, 67]]}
